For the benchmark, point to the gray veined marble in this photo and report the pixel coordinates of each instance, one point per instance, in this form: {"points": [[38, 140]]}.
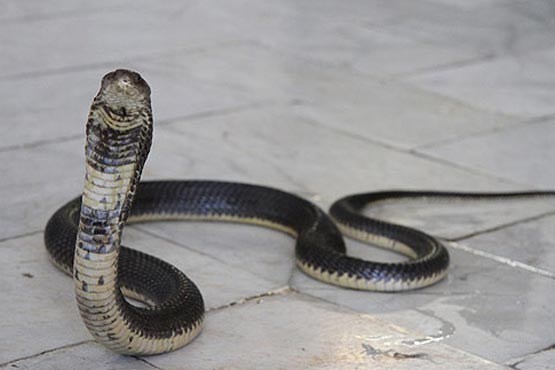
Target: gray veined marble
{"points": [[523, 153], [308, 334], [480, 301], [391, 113], [42, 306], [318, 97], [518, 85], [542, 360]]}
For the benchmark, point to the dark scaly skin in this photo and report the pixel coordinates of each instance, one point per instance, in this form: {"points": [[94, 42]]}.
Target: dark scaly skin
{"points": [[83, 237]]}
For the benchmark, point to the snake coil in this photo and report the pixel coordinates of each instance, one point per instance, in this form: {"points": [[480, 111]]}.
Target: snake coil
{"points": [[83, 237]]}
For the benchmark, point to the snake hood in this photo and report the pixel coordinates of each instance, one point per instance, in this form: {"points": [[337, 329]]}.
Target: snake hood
{"points": [[119, 135]]}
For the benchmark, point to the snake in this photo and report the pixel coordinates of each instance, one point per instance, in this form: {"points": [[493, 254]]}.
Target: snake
{"points": [[83, 237]]}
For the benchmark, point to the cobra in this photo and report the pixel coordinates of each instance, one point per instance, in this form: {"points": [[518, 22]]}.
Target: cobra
{"points": [[83, 237]]}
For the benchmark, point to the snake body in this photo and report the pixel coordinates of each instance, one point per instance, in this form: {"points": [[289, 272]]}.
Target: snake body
{"points": [[83, 237]]}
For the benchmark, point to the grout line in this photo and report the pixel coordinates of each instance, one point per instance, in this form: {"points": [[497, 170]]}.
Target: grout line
{"points": [[53, 71], [175, 243], [147, 362], [39, 143], [267, 161], [58, 70], [471, 170], [461, 63], [417, 154], [154, 234], [47, 351], [13, 237], [285, 290], [24, 19], [216, 112], [514, 362], [494, 130], [163, 122], [503, 260], [501, 226]]}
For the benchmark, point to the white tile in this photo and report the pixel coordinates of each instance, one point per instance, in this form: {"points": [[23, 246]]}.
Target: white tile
{"points": [[453, 219], [393, 113], [488, 27], [88, 356], [238, 76], [523, 154], [530, 243], [519, 85], [14, 11], [42, 308], [539, 361], [34, 113], [39, 302], [220, 282], [117, 35], [480, 301], [264, 253], [285, 332], [324, 161], [259, 146]]}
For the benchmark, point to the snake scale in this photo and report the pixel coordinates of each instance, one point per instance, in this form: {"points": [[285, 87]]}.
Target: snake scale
{"points": [[83, 237]]}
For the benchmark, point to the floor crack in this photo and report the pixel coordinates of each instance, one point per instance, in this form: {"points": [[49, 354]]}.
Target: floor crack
{"points": [[46, 351], [502, 226], [503, 260], [13, 237], [258, 297]]}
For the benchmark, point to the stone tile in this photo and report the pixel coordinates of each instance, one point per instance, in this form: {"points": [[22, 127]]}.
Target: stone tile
{"points": [[454, 219], [39, 309], [143, 29], [236, 76], [530, 243], [518, 85], [340, 43], [481, 301], [42, 308], [473, 4], [523, 154], [88, 356], [307, 334], [488, 27], [393, 113], [147, 28], [14, 11], [290, 141], [393, 56], [31, 196], [37, 182], [228, 148], [212, 275], [35, 114], [264, 253], [539, 361]]}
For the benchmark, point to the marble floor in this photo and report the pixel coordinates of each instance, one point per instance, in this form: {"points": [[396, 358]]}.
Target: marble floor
{"points": [[321, 98]]}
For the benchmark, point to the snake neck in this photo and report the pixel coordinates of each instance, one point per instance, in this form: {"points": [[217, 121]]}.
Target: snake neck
{"points": [[114, 153]]}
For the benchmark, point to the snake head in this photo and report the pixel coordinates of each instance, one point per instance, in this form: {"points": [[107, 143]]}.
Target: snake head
{"points": [[124, 92]]}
